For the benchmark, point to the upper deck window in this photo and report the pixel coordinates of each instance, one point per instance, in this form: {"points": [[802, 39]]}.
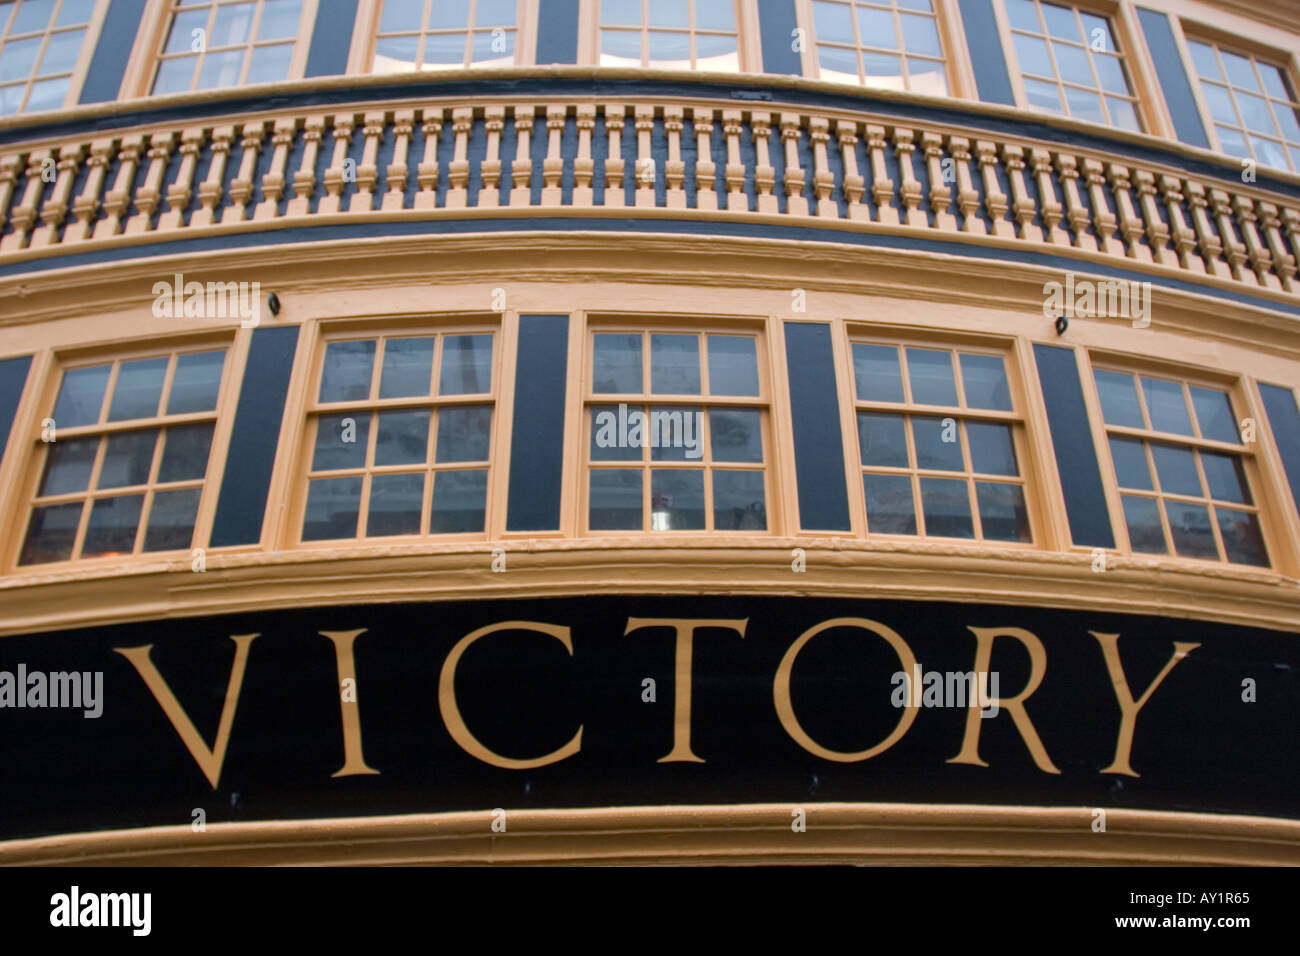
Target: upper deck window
{"points": [[43, 53], [887, 44], [221, 44], [1252, 105], [445, 34], [670, 34]]}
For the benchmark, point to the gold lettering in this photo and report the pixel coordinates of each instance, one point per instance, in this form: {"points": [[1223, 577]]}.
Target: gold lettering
{"points": [[1127, 707], [785, 708], [354, 761], [970, 748], [451, 715], [210, 760], [685, 630]]}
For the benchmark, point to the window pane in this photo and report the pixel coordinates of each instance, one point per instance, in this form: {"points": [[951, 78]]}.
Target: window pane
{"points": [[926, 76], [1219, 102], [494, 13], [617, 433], [1043, 95], [405, 14], [81, 396], [487, 49], [1119, 401], [932, 451], [984, 379], [181, 36], [232, 25], [1274, 81], [1267, 151], [1287, 120], [341, 441], [221, 69], [672, 50], [50, 94], [185, 452], [139, 386], [946, 504], [1033, 56], [466, 365], [620, 47], [68, 466], [396, 54], [1176, 468], [171, 520], [714, 15], [876, 28], [1207, 65], [346, 374], [1131, 468], [442, 50], [671, 13], [735, 435], [403, 437], [32, 15], [270, 63], [1023, 16], [127, 459], [992, 451], [175, 76], [332, 508], [675, 434], [615, 500], [1146, 534], [882, 71], [459, 502], [1256, 114], [930, 373], [1122, 114], [1084, 105], [1190, 527], [1226, 478], [1072, 64], [396, 502], [837, 64], [676, 499], [1111, 71], [1166, 406], [738, 501], [920, 35], [675, 364], [51, 534], [61, 52], [616, 363], [1003, 516], [1241, 537], [733, 365], [890, 508], [833, 21], [881, 440], [1232, 141], [1240, 72], [408, 368], [111, 531], [624, 13], [19, 56], [463, 433], [876, 373], [279, 19], [1060, 22], [196, 382]]}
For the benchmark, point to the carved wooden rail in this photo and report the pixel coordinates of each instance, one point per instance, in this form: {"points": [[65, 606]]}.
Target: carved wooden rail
{"points": [[792, 166]]}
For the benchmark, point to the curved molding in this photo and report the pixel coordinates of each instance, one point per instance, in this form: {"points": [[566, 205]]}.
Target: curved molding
{"points": [[862, 833]]}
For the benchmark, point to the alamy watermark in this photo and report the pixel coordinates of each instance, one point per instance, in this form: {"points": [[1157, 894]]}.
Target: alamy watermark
{"points": [[1107, 299], [78, 690], [959, 689], [214, 300], [633, 428]]}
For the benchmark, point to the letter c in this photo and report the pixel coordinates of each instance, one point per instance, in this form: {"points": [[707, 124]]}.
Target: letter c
{"points": [[451, 715]]}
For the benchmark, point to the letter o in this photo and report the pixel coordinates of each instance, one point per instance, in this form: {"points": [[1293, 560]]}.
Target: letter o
{"points": [[785, 709]]}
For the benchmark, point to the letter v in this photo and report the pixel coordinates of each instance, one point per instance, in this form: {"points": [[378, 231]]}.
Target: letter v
{"points": [[208, 759]]}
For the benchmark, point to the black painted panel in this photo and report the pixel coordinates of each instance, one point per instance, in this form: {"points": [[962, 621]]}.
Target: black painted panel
{"points": [[537, 438], [815, 420]]}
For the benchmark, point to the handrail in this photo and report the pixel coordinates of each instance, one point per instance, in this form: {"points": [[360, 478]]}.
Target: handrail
{"points": [[570, 155]]}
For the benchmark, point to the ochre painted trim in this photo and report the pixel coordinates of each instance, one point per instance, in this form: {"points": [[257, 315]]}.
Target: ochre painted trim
{"points": [[844, 833]]}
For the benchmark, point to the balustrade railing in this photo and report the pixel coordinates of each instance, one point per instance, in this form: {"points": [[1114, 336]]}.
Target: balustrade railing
{"points": [[717, 160]]}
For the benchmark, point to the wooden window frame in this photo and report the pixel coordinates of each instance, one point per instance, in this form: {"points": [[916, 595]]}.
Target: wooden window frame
{"points": [[1148, 101], [77, 78], [1187, 31], [146, 55], [1024, 419], [32, 467], [307, 407], [1260, 484], [748, 44], [765, 403], [365, 34], [952, 42]]}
